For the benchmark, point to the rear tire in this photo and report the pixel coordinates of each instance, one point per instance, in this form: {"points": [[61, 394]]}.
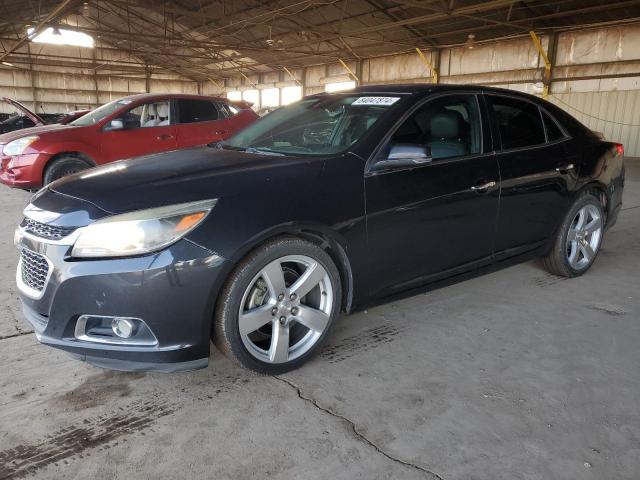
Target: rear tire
{"points": [[578, 239], [277, 306], [62, 167]]}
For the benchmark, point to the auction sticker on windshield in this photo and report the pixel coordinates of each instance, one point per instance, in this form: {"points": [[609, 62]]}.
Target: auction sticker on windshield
{"points": [[382, 101]]}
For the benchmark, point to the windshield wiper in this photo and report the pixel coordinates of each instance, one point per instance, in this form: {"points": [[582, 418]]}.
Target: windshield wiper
{"points": [[263, 151], [255, 150]]}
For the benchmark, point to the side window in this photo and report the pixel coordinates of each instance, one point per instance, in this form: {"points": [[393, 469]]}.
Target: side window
{"points": [[191, 111], [226, 110], [519, 123], [553, 130], [223, 111], [148, 115], [447, 127]]}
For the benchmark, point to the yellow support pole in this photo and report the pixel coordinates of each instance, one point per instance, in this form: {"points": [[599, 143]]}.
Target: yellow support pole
{"points": [[216, 84], [291, 75], [547, 64], [248, 80], [434, 72], [346, 67]]}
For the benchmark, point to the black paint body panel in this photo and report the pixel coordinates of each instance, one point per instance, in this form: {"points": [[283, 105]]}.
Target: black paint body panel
{"points": [[389, 232]]}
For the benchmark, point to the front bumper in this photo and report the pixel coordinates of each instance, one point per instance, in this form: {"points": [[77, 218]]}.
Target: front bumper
{"points": [[26, 170], [171, 291]]}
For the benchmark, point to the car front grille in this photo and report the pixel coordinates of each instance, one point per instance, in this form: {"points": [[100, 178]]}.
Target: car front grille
{"points": [[35, 270], [43, 230]]}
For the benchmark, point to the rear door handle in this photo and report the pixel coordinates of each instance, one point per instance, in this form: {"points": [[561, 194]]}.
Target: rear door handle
{"points": [[164, 136], [484, 187], [220, 132], [564, 168]]}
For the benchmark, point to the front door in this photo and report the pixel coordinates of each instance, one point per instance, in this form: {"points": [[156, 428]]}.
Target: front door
{"points": [[431, 217], [537, 173], [147, 130]]}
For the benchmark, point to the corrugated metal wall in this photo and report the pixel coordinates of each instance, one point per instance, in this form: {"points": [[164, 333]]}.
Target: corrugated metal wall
{"points": [[616, 114]]}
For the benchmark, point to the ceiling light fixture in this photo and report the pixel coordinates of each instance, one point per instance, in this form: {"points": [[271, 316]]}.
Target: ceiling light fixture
{"points": [[470, 43]]}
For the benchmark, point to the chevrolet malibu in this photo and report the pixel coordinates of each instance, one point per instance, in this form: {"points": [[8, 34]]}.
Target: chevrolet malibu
{"points": [[325, 206]]}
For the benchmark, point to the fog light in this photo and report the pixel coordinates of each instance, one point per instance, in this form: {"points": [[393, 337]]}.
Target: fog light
{"points": [[122, 327]]}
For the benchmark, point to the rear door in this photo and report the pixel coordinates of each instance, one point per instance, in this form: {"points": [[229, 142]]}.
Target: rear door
{"points": [[435, 218], [199, 122], [536, 171], [147, 130]]}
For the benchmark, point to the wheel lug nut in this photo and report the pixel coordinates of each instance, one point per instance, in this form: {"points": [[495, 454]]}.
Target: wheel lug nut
{"points": [[293, 296], [274, 310], [283, 320], [281, 296], [294, 311]]}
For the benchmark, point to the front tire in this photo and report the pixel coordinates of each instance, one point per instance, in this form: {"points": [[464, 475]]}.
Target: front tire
{"points": [[578, 239], [277, 306], [62, 167]]}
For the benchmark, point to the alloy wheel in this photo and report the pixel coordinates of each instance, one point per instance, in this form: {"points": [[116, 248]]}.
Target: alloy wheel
{"points": [[285, 309], [583, 237]]}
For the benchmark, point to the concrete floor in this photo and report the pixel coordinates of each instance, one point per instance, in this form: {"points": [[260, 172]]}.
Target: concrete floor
{"points": [[518, 375]]}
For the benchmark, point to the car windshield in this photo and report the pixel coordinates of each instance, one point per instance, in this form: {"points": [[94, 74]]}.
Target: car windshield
{"points": [[100, 113], [316, 126]]}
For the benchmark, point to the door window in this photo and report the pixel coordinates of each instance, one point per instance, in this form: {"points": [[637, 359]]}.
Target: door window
{"points": [[519, 123], [191, 111], [225, 110], [553, 130], [155, 114], [445, 127]]}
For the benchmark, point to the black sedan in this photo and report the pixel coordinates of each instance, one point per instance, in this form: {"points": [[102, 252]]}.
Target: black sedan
{"points": [[324, 206]]}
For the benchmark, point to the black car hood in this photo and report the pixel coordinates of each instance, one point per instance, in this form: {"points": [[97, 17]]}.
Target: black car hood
{"points": [[184, 176]]}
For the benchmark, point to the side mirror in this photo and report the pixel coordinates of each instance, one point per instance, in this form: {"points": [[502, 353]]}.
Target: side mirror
{"points": [[405, 155], [116, 124], [409, 151]]}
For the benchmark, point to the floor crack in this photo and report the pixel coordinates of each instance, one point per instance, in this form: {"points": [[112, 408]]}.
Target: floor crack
{"points": [[13, 335], [428, 474]]}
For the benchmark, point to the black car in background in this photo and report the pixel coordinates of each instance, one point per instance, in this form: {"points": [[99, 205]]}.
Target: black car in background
{"points": [[25, 118], [324, 206]]}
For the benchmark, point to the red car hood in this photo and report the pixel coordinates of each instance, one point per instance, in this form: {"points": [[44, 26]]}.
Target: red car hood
{"points": [[34, 117], [25, 132]]}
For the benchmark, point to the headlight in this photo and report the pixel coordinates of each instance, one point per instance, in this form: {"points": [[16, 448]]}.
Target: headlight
{"points": [[140, 232], [18, 146]]}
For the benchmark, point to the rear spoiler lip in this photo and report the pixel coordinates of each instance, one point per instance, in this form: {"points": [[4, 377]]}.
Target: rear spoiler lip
{"points": [[241, 104]]}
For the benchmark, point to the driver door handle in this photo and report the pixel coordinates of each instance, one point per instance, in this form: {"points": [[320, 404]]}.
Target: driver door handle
{"points": [[484, 187], [220, 132], [164, 136]]}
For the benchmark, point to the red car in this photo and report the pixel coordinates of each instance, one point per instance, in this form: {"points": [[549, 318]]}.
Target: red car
{"points": [[129, 127]]}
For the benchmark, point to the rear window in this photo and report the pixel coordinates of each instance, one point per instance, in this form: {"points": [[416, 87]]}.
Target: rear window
{"points": [[519, 123], [554, 132], [191, 111]]}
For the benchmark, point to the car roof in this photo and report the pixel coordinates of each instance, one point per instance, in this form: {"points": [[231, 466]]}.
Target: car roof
{"points": [[162, 96], [424, 88]]}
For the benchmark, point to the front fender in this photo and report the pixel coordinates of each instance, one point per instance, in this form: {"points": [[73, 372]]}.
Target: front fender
{"points": [[86, 149]]}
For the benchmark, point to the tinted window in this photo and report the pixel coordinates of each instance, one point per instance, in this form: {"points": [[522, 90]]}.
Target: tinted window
{"points": [[448, 126], [553, 130], [519, 123], [226, 110], [191, 111]]}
